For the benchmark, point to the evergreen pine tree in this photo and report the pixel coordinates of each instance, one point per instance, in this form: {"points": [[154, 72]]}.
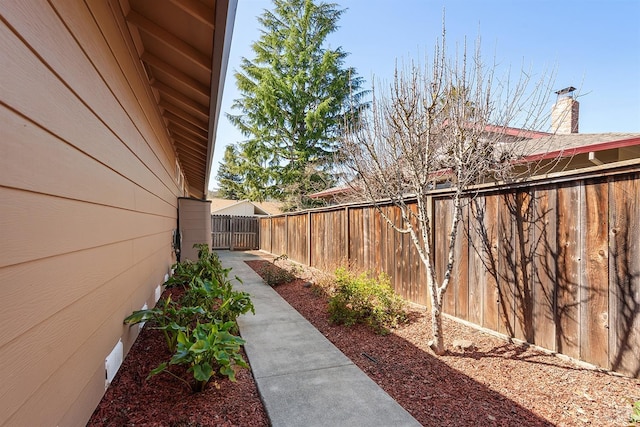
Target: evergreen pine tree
{"points": [[296, 98]]}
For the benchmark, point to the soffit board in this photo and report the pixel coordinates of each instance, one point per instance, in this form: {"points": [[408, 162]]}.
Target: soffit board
{"points": [[185, 62]]}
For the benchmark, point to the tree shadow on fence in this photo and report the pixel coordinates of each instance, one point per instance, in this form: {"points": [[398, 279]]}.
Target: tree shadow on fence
{"points": [[533, 268], [625, 288]]}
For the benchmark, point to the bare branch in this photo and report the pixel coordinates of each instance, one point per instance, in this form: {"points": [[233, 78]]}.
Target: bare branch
{"points": [[452, 123]]}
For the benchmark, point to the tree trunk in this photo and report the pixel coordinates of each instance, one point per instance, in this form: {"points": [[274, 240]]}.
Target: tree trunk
{"points": [[437, 344]]}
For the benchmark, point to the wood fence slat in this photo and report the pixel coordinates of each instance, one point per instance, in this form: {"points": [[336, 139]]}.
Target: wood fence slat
{"points": [[545, 271], [624, 276], [316, 235], [523, 211], [506, 273], [441, 227], [476, 268], [394, 251], [405, 264], [568, 303], [555, 264], [594, 337], [462, 267], [366, 242], [488, 242], [378, 239], [414, 276], [389, 247]]}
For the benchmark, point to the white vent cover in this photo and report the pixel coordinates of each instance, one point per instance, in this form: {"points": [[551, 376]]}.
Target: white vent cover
{"points": [[158, 292], [166, 277], [113, 361], [141, 324]]}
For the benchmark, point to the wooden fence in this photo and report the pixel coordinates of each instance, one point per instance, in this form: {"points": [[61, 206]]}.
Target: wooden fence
{"points": [[234, 232], [556, 263]]}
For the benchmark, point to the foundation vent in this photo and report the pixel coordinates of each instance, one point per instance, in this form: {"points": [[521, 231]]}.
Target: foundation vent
{"points": [[112, 362]]}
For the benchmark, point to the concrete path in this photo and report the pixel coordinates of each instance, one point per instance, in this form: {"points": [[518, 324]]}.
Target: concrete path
{"points": [[303, 379]]}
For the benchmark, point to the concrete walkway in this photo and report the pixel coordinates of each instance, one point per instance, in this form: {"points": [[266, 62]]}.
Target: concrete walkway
{"points": [[303, 379]]}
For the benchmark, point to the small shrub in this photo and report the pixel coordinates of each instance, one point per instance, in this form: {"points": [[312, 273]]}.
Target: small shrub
{"points": [[198, 327], [219, 299], [366, 299], [169, 317], [183, 273], [634, 419], [273, 275], [210, 347], [324, 285]]}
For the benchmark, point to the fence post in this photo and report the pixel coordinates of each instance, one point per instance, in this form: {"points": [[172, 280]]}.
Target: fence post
{"points": [[309, 238], [347, 237], [432, 237], [286, 234]]}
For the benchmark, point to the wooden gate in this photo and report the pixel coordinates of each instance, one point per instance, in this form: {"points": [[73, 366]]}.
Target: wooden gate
{"points": [[234, 232]]}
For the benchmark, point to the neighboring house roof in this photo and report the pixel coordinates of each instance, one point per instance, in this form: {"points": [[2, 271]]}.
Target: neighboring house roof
{"points": [[600, 148], [568, 145], [228, 207], [271, 208], [331, 193]]}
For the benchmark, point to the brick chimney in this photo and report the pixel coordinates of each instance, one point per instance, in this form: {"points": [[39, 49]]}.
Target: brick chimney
{"points": [[564, 113]]}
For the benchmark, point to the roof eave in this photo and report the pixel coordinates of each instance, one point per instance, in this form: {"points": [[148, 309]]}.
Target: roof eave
{"points": [[224, 23], [610, 145]]}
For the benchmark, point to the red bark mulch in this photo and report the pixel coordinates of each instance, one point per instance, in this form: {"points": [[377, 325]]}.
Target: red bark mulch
{"points": [[164, 401], [496, 384]]}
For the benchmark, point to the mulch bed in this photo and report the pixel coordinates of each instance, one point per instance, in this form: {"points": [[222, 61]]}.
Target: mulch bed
{"points": [[165, 401], [498, 383]]}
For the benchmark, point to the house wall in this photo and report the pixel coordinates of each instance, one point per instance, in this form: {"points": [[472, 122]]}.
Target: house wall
{"points": [[88, 202], [195, 226]]}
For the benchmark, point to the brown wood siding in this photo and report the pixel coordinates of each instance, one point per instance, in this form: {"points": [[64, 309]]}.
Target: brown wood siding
{"points": [[194, 219], [88, 202]]}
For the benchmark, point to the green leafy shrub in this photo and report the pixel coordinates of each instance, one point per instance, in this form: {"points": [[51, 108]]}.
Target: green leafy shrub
{"points": [[197, 327], [365, 299], [170, 317], [210, 347], [218, 299], [634, 419], [273, 275], [208, 266], [183, 273]]}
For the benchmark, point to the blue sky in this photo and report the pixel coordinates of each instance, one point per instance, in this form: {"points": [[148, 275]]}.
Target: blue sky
{"points": [[593, 45]]}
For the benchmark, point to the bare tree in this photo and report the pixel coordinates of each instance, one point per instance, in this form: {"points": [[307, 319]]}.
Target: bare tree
{"points": [[450, 123]]}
